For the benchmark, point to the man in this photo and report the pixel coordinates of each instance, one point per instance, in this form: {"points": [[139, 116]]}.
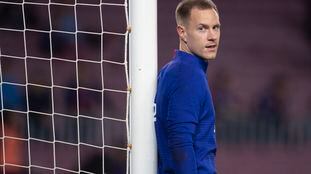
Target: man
{"points": [[185, 119]]}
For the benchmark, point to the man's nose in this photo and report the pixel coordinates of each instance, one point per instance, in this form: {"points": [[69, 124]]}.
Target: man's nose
{"points": [[211, 34]]}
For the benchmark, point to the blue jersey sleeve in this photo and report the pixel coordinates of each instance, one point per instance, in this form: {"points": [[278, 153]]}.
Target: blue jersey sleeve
{"points": [[183, 115]]}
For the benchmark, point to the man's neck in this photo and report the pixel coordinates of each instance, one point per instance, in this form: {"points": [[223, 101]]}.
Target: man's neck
{"points": [[184, 47]]}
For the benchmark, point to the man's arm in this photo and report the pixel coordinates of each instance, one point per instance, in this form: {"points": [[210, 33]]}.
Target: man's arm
{"points": [[184, 106]]}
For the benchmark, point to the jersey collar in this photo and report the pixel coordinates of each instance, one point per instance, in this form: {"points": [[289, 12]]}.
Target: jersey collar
{"points": [[192, 59]]}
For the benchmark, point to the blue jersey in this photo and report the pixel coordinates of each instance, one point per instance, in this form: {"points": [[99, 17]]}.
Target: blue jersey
{"points": [[185, 117]]}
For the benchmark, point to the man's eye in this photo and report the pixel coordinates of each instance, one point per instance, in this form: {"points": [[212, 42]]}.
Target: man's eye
{"points": [[201, 28], [216, 27]]}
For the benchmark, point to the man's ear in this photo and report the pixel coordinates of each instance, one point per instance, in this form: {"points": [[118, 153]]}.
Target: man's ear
{"points": [[182, 33]]}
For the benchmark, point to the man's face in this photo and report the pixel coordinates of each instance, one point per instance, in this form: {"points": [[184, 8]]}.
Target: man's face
{"points": [[201, 33]]}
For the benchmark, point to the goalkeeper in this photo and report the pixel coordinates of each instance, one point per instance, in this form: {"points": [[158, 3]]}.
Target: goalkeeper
{"points": [[185, 119]]}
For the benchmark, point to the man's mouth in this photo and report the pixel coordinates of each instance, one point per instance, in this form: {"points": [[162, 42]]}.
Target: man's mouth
{"points": [[210, 46]]}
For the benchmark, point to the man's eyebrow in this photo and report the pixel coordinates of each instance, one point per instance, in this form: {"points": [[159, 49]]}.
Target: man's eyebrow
{"points": [[203, 25], [217, 25], [207, 26]]}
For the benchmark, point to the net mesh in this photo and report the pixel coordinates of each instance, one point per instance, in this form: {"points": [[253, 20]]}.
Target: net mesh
{"points": [[64, 86]]}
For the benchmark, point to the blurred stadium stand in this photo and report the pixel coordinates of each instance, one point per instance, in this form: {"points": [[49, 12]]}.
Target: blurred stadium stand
{"points": [[260, 80], [260, 83]]}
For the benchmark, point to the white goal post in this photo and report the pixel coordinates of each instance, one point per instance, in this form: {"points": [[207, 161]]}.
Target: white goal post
{"points": [[143, 72]]}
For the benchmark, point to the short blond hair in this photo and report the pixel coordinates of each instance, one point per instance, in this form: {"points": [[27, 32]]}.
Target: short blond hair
{"points": [[184, 8]]}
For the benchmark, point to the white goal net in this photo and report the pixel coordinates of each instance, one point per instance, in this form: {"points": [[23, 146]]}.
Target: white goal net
{"points": [[64, 87]]}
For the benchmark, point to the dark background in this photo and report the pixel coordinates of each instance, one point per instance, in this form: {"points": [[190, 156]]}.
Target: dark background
{"points": [[260, 80], [260, 84]]}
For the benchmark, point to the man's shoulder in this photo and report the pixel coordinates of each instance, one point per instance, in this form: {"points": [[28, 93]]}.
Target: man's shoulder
{"points": [[175, 67], [180, 73], [170, 69]]}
